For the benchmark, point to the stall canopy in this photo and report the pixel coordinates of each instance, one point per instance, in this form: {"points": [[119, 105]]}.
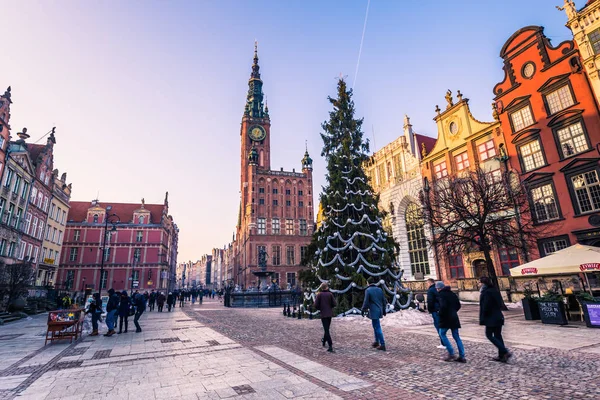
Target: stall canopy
{"points": [[575, 259]]}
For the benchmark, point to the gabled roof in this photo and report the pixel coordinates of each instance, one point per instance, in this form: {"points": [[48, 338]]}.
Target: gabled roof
{"points": [[79, 210], [34, 151]]}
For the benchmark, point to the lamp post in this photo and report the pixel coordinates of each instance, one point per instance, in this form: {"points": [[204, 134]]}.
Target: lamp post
{"points": [[114, 220], [426, 190]]}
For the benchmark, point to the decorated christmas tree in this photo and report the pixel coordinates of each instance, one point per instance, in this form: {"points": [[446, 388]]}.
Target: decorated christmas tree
{"points": [[351, 249]]}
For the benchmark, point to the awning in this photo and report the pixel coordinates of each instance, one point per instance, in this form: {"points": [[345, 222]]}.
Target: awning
{"points": [[575, 259]]}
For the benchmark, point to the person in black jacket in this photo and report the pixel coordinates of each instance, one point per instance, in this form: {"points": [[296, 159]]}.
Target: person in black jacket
{"points": [[124, 307], [490, 315], [111, 312], [449, 306], [433, 307], [325, 303], [170, 301], [139, 300]]}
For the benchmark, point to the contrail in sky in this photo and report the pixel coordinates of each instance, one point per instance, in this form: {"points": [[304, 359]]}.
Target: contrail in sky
{"points": [[361, 43]]}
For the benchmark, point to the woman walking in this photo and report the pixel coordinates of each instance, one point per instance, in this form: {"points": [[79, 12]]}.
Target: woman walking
{"points": [[124, 307], [448, 320], [95, 310], [325, 302], [490, 315]]}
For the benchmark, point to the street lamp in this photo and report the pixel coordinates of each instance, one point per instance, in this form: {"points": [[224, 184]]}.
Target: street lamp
{"points": [[114, 220]]}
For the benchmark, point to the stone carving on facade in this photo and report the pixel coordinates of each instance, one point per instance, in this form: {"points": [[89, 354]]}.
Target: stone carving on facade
{"points": [[449, 99]]}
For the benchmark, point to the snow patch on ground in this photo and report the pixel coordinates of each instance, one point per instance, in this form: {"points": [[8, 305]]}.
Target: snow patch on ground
{"points": [[409, 317], [514, 306]]}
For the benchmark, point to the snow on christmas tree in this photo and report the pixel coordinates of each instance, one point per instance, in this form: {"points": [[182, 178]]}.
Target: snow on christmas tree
{"points": [[351, 248]]}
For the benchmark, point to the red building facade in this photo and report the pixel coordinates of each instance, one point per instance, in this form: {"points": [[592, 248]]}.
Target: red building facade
{"points": [[276, 207], [141, 253], [551, 124]]}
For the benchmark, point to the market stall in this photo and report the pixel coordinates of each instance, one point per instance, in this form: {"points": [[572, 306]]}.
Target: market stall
{"points": [[577, 260], [64, 324]]}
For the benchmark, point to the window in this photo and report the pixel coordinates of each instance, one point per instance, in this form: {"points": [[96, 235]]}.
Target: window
{"points": [[60, 237], [33, 195], [275, 227], [261, 202], [52, 210], [486, 150], [95, 218], [274, 190], [521, 118], [53, 240], [3, 244], [11, 249], [288, 203], [17, 184], [276, 254], [40, 200], [261, 190], [35, 254], [291, 279], [275, 277], [44, 251], [106, 254], [141, 219], [57, 216], [455, 264], [559, 99], [70, 279], [262, 226], [76, 235], [440, 170], [24, 190], [509, 258], [381, 173], [137, 253], [27, 223], [8, 177], [73, 254], [139, 236], [19, 217], [572, 139], [40, 230], [289, 252], [45, 204], [532, 156], [29, 250], [11, 210], [289, 226], [34, 226], [417, 243], [587, 191], [303, 250], [275, 202], [594, 37], [103, 279], [135, 276], [551, 245], [300, 193], [462, 161], [300, 203], [22, 250], [544, 203], [63, 217], [303, 227], [288, 192]]}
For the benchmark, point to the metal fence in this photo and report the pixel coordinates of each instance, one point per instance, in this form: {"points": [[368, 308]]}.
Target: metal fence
{"points": [[275, 298]]}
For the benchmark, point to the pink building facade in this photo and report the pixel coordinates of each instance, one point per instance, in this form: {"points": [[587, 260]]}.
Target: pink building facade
{"points": [[140, 253]]}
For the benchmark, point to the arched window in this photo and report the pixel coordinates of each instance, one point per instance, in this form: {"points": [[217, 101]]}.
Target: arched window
{"points": [[417, 244], [141, 219], [95, 218]]}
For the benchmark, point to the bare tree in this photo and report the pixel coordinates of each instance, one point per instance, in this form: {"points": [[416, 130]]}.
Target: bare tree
{"points": [[15, 279], [478, 210]]}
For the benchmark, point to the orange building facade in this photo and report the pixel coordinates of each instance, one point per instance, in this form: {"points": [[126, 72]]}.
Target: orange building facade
{"points": [[551, 122]]}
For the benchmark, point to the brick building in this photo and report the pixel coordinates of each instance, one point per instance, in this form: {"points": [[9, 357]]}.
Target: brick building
{"points": [[551, 122], [140, 253], [276, 207]]}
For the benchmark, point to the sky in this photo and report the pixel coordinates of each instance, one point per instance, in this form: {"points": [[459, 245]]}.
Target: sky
{"points": [[147, 96]]}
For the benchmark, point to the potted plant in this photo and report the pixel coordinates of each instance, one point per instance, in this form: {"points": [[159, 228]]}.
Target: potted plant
{"points": [[530, 307], [591, 309], [552, 308]]}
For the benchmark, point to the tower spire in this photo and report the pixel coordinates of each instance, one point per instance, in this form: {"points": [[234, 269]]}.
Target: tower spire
{"points": [[254, 101]]}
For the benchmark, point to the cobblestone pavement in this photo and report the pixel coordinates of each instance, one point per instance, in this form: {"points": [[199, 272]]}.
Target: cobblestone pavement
{"points": [[210, 352], [412, 366]]}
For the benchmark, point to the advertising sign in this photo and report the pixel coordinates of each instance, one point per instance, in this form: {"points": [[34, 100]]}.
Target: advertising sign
{"points": [[593, 314]]}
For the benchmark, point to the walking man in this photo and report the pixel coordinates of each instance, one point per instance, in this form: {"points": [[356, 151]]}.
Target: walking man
{"points": [[325, 302], [490, 315], [433, 306], [111, 312], [170, 301], [151, 300], [448, 320], [375, 305], [140, 307], [160, 301]]}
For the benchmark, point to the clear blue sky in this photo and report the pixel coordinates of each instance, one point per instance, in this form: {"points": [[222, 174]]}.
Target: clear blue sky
{"points": [[147, 96]]}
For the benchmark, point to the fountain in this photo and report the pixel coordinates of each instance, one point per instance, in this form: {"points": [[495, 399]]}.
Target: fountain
{"points": [[263, 275]]}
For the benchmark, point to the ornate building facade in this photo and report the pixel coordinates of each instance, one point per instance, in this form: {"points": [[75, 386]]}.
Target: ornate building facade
{"points": [[395, 174], [465, 143], [550, 117], [276, 207], [140, 253]]}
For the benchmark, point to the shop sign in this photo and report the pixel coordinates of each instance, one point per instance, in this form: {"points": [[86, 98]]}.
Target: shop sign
{"points": [[527, 271], [48, 260], [593, 311], [590, 267]]}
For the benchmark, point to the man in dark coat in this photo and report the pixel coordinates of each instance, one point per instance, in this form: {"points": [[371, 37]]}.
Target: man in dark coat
{"points": [[490, 315], [433, 307], [449, 306], [170, 301], [151, 300], [140, 306], [325, 302], [124, 307], [375, 305], [160, 301], [111, 312]]}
